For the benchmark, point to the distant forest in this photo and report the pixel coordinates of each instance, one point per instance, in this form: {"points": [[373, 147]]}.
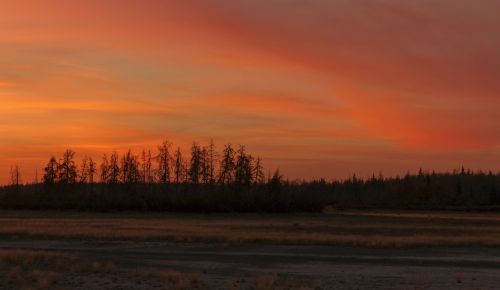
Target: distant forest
{"points": [[232, 181]]}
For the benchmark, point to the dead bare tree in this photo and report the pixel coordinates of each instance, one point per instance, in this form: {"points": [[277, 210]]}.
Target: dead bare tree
{"points": [[258, 171], [84, 169], [92, 170], [105, 169], [179, 166], [114, 169], [212, 160], [15, 175]]}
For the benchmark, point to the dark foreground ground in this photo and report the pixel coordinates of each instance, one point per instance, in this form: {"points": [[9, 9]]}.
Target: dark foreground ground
{"points": [[290, 267], [334, 250]]}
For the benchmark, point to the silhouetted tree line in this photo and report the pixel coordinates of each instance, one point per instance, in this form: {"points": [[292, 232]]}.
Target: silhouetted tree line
{"points": [[460, 189], [233, 180], [206, 180]]}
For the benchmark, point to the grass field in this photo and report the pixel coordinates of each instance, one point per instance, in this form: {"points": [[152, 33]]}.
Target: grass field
{"points": [[333, 250], [44, 270], [22, 269], [346, 228]]}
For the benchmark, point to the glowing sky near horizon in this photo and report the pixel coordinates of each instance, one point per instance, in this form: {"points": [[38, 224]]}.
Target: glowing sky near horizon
{"points": [[317, 88]]}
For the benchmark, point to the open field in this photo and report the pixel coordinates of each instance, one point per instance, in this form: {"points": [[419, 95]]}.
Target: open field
{"points": [[50, 264], [335, 250], [362, 228], [27, 269]]}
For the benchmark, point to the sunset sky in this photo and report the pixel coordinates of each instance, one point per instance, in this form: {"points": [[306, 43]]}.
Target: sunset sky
{"points": [[318, 88]]}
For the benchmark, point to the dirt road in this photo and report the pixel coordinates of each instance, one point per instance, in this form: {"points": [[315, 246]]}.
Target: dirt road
{"points": [[337, 267]]}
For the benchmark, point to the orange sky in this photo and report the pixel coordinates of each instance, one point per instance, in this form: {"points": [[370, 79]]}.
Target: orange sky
{"points": [[318, 88]]}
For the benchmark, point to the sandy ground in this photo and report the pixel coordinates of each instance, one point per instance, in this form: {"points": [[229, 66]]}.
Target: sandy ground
{"points": [[332, 267]]}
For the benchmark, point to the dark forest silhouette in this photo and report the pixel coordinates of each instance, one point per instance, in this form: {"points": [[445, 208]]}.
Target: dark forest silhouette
{"points": [[233, 180]]}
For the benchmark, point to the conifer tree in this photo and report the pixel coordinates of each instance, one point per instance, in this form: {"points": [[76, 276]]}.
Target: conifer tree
{"points": [[243, 168], [113, 169], [67, 168], [164, 158], [227, 165], [51, 171], [105, 169], [178, 166], [129, 170], [258, 170], [195, 164]]}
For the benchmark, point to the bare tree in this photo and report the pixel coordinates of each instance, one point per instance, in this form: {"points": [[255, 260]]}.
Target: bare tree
{"points": [[179, 166], [105, 169], [15, 175], [258, 170], [113, 169], [195, 164], [92, 170], [87, 170], [243, 168], [129, 168], [36, 176], [149, 168], [146, 167], [164, 162], [212, 159], [67, 168], [185, 171], [124, 167], [83, 170], [227, 165], [204, 165]]}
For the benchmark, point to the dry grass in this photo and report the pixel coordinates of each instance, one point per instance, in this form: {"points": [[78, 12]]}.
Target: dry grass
{"points": [[43, 270], [168, 279], [22, 269], [276, 282], [372, 229], [39, 270]]}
